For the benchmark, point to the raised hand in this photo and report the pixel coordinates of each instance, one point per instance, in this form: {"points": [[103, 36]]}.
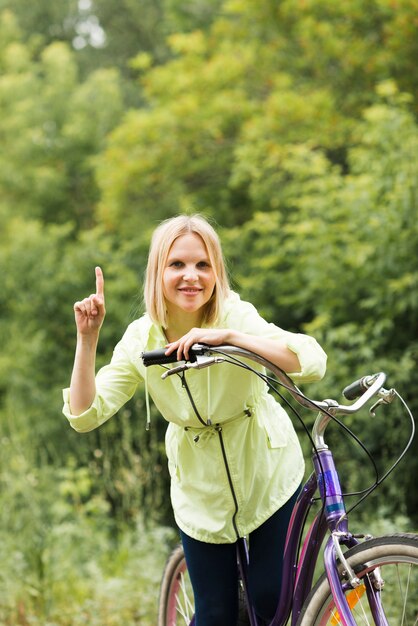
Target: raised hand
{"points": [[90, 312]]}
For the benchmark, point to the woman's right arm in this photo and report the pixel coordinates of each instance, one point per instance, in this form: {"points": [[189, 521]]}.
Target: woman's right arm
{"points": [[89, 315]]}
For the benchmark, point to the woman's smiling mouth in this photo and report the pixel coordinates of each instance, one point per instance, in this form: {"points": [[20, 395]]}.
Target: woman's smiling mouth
{"points": [[190, 290]]}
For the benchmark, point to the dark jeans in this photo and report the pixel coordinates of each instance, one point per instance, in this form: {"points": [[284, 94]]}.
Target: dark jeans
{"points": [[213, 571]]}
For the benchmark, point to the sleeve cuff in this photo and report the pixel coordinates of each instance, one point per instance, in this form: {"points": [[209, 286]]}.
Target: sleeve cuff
{"points": [[84, 422], [312, 358]]}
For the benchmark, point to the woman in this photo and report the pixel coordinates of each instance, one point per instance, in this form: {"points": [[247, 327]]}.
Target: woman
{"points": [[234, 458]]}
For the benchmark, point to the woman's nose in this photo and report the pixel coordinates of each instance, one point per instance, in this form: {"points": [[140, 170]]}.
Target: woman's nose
{"points": [[190, 274]]}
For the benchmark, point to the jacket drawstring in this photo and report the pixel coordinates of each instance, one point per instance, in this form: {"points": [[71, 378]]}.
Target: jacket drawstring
{"points": [[147, 401], [209, 402]]}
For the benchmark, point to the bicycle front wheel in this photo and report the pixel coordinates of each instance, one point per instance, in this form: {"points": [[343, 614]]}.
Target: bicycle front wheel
{"points": [[396, 556]]}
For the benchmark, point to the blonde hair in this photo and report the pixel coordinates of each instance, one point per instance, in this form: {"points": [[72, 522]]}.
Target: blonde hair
{"points": [[163, 238]]}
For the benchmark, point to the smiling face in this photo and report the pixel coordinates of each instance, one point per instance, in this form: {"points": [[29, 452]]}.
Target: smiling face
{"points": [[188, 278]]}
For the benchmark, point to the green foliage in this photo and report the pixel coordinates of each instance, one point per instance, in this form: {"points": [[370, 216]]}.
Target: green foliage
{"points": [[293, 125], [190, 15], [51, 126], [178, 153], [65, 561]]}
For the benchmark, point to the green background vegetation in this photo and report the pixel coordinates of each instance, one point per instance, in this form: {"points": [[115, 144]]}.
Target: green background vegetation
{"points": [[293, 125]]}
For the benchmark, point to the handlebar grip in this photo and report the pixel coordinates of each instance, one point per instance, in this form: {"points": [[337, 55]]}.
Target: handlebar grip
{"points": [[159, 357], [357, 388]]}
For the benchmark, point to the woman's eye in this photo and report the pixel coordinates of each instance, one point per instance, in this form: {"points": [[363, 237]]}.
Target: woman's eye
{"points": [[203, 265], [176, 264]]}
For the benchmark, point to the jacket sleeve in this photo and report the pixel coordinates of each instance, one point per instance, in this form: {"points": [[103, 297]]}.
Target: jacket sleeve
{"points": [[245, 317], [312, 358], [115, 385]]}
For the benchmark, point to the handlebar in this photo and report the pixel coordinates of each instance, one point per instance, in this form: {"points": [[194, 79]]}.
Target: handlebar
{"points": [[201, 356]]}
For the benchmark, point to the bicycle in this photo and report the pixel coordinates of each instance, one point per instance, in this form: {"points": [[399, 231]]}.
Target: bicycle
{"points": [[366, 580]]}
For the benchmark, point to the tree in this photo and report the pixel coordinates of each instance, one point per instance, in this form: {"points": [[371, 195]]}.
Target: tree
{"points": [[51, 126], [337, 257]]}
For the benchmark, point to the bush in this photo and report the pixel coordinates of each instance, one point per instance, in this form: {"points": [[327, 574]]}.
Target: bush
{"points": [[65, 561]]}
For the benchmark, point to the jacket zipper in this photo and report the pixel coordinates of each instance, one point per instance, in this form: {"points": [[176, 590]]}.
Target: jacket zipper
{"points": [[218, 429], [186, 387], [228, 473]]}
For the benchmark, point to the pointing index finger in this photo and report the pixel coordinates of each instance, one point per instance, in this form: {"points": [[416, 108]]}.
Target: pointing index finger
{"points": [[99, 282]]}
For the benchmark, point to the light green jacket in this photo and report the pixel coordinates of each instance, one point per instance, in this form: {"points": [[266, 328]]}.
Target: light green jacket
{"points": [[229, 477]]}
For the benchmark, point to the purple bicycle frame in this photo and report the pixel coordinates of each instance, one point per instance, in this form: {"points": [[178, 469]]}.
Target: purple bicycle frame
{"points": [[297, 577]]}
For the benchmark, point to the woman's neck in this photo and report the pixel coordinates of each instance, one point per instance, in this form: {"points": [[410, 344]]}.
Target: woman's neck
{"points": [[178, 326]]}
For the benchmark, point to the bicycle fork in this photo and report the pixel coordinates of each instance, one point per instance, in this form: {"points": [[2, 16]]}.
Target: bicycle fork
{"points": [[335, 513]]}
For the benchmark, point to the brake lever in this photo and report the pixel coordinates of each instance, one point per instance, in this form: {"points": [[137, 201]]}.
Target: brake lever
{"points": [[175, 370], [200, 363], [386, 398]]}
